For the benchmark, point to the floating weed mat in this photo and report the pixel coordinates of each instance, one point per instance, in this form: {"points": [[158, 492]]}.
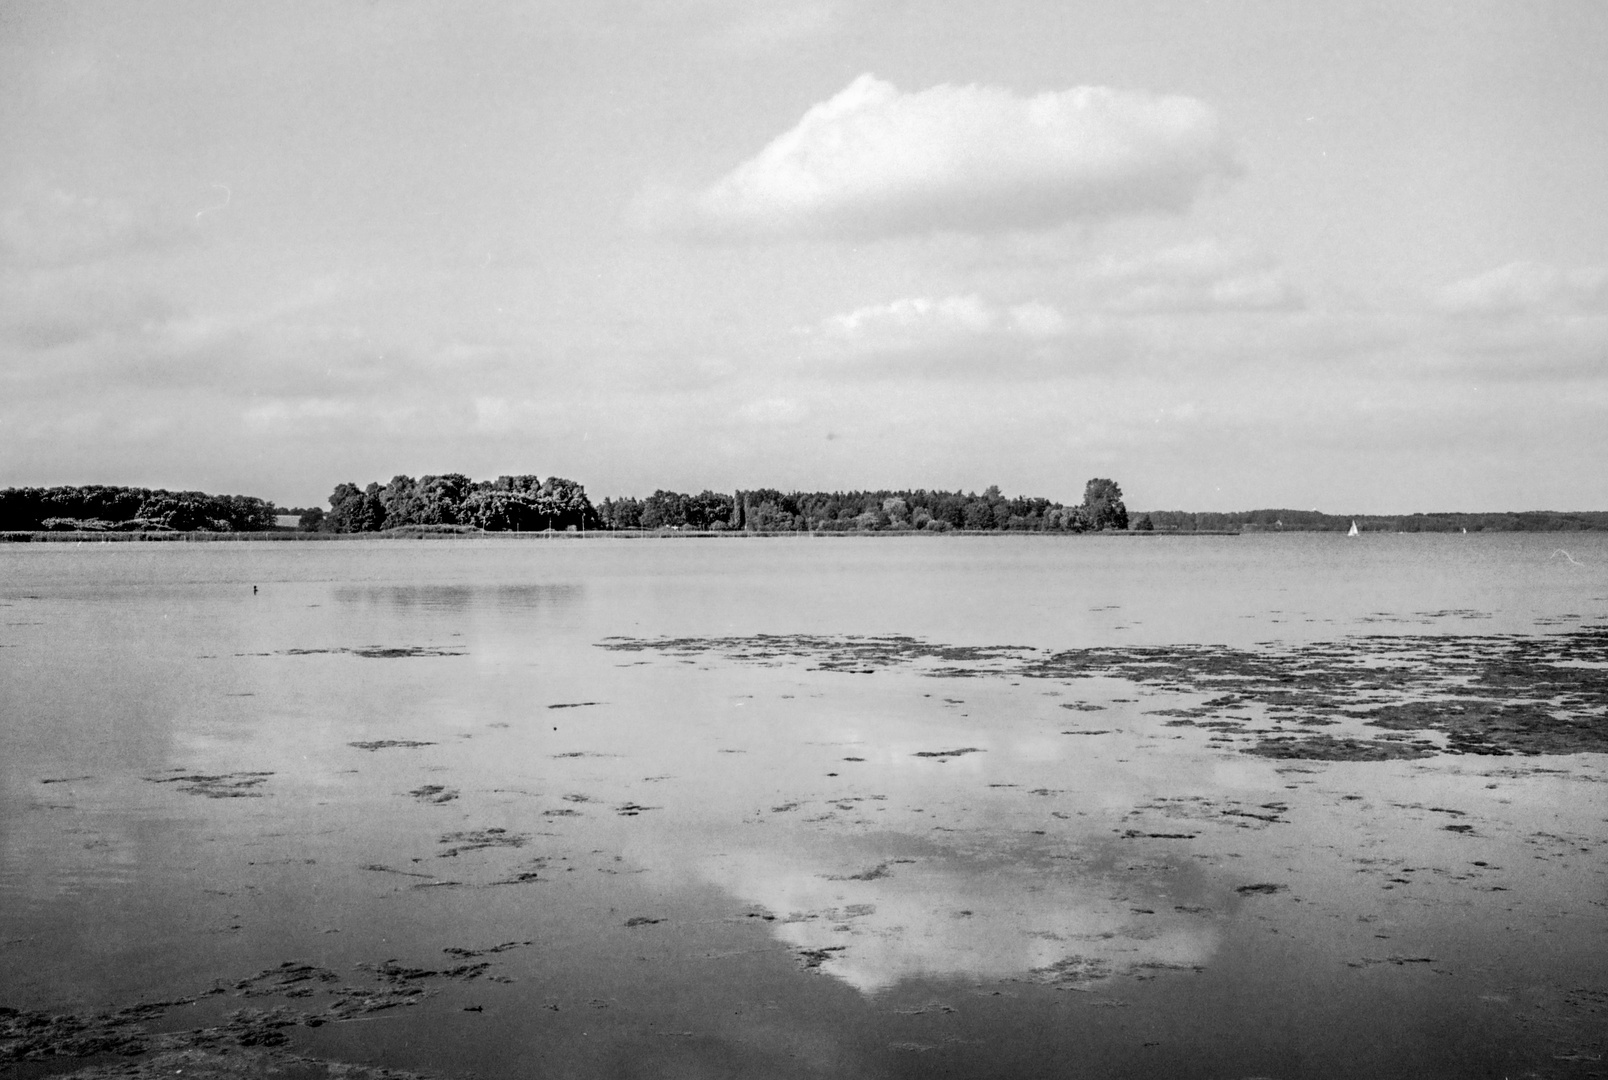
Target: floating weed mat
{"points": [[320, 996], [34, 1036], [378, 652], [850, 653], [228, 1059], [235, 785], [1073, 972], [290, 979], [1494, 694], [489, 951], [1163, 817], [1334, 748], [480, 839]]}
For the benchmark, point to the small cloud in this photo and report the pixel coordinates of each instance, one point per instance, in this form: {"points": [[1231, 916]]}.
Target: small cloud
{"points": [[873, 161], [758, 27], [915, 315], [1036, 320], [295, 412], [773, 410], [955, 337], [1264, 290], [922, 320], [1521, 287], [1201, 276]]}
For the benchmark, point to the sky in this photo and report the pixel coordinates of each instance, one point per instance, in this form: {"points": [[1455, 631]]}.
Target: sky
{"points": [[1231, 253]]}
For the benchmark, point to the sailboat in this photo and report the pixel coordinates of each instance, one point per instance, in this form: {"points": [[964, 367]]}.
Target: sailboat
{"points": [[1353, 531]]}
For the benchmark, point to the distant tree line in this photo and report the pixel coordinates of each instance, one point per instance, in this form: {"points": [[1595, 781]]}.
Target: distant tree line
{"points": [[529, 503], [1314, 521], [506, 504], [102, 508], [771, 510]]}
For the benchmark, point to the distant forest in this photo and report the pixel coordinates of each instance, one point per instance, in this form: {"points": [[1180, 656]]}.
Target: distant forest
{"points": [[101, 508], [529, 503], [1314, 521], [770, 510]]}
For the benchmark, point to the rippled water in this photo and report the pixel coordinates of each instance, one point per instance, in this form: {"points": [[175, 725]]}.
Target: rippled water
{"points": [[713, 853]]}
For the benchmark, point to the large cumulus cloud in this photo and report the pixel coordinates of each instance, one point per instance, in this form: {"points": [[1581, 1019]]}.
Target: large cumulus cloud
{"points": [[874, 161]]}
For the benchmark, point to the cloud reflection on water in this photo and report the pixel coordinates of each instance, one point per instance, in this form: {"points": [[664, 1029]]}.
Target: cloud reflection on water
{"points": [[455, 598], [952, 915]]}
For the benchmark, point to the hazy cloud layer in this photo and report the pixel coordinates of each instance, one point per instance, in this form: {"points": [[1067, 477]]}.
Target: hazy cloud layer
{"points": [[1153, 296], [874, 161], [1527, 287], [1202, 276], [47, 308], [59, 228]]}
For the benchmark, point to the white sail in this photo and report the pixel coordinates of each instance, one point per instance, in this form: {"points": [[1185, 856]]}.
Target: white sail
{"points": [[1353, 531]]}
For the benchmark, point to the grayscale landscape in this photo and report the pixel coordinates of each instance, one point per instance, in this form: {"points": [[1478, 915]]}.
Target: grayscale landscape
{"points": [[725, 539]]}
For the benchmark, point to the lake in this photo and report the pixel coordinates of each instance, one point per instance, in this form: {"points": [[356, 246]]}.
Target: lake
{"points": [[1260, 806]]}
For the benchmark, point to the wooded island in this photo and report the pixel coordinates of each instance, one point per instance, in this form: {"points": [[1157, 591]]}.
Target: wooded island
{"points": [[529, 503]]}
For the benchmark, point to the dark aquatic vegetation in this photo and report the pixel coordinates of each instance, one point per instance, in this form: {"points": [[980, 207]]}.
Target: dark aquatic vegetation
{"points": [[480, 839], [236, 785], [1489, 695], [288, 979], [1324, 747], [379, 652], [489, 951]]}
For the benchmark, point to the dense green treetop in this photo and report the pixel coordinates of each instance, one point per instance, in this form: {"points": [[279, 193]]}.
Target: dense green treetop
{"points": [[525, 503], [1102, 504]]}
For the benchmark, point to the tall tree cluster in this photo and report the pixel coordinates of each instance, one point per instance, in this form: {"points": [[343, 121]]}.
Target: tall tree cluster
{"points": [[507, 504]]}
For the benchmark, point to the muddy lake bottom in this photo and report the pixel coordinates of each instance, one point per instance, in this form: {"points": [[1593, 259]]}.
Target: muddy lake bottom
{"points": [[1202, 807]]}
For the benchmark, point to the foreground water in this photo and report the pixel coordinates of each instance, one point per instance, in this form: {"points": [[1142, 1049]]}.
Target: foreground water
{"points": [[823, 807]]}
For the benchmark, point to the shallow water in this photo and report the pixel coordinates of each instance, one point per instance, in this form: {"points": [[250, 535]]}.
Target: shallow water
{"points": [[824, 851]]}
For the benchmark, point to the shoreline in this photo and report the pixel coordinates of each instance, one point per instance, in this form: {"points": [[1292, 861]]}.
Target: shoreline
{"points": [[413, 533]]}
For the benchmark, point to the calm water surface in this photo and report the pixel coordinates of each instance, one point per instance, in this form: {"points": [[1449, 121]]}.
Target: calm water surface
{"points": [[724, 858]]}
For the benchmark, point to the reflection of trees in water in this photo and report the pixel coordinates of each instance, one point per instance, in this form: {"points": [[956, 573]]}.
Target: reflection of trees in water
{"points": [[459, 597]]}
